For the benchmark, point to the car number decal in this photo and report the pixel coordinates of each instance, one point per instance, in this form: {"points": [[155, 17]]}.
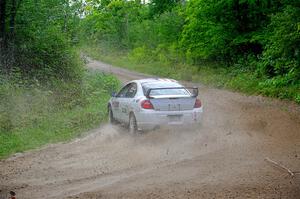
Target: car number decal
{"points": [[124, 110]]}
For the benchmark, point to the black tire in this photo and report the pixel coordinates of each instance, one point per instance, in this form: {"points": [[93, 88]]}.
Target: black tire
{"points": [[111, 118], [132, 126]]}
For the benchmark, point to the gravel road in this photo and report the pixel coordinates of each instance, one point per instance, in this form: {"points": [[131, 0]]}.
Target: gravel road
{"points": [[224, 157]]}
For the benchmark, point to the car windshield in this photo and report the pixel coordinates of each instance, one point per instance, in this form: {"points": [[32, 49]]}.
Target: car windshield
{"points": [[165, 88]]}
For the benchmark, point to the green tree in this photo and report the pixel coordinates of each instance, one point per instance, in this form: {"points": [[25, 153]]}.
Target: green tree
{"points": [[36, 37], [281, 54], [158, 7]]}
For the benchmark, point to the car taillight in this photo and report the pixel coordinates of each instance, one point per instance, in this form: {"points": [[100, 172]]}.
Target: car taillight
{"points": [[146, 104], [197, 103]]}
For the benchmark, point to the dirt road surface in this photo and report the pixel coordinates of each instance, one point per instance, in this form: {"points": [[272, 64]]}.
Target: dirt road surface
{"points": [[224, 157]]}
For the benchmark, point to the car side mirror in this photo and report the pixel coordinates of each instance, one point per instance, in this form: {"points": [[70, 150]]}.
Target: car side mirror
{"points": [[113, 94]]}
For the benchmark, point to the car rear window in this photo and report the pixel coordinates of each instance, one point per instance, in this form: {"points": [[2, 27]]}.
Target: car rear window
{"points": [[163, 91]]}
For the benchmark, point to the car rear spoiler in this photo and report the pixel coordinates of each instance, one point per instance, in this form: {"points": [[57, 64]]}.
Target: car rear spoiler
{"points": [[194, 93]]}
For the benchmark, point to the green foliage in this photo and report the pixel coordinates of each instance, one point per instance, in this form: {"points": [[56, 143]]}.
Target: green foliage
{"points": [[204, 36], [140, 55], [209, 73], [32, 115], [37, 39], [282, 50], [45, 93], [48, 55], [225, 30], [257, 40], [126, 25], [111, 24], [158, 7]]}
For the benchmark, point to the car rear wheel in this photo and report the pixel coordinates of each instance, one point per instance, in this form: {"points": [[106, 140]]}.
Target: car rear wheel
{"points": [[111, 118], [132, 124]]}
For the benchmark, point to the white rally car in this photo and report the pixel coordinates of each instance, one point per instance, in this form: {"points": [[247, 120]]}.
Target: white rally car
{"points": [[146, 104]]}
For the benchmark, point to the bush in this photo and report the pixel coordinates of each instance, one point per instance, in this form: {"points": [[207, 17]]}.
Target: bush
{"points": [[34, 114], [282, 50], [47, 56], [140, 55], [245, 45]]}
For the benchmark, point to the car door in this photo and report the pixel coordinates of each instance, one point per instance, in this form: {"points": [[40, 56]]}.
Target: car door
{"points": [[129, 101], [117, 101], [124, 101]]}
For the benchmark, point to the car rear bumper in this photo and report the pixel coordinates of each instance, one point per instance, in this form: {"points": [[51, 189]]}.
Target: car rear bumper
{"points": [[150, 119]]}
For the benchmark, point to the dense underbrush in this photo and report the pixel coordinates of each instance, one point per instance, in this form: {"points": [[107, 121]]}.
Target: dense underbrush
{"points": [[33, 113], [235, 77], [244, 45]]}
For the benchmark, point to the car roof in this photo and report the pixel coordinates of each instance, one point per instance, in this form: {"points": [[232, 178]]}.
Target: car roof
{"points": [[158, 83], [155, 80]]}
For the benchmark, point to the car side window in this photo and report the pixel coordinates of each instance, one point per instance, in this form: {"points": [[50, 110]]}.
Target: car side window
{"points": [[132, 90], [123, 91]]}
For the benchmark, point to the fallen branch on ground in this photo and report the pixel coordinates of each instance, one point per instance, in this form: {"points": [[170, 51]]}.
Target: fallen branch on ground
{"points": [[280, 166]]}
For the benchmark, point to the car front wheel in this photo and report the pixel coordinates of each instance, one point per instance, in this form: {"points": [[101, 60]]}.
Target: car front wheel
{"points": [[111, 118]]}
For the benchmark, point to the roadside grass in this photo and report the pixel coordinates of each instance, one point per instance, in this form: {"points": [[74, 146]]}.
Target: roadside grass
{"points": [[208, 73], [32, 115]]}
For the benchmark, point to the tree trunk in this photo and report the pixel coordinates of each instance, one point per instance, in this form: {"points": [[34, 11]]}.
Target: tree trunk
{"points": [[13, 13], [2, 19], [66, 10]]}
